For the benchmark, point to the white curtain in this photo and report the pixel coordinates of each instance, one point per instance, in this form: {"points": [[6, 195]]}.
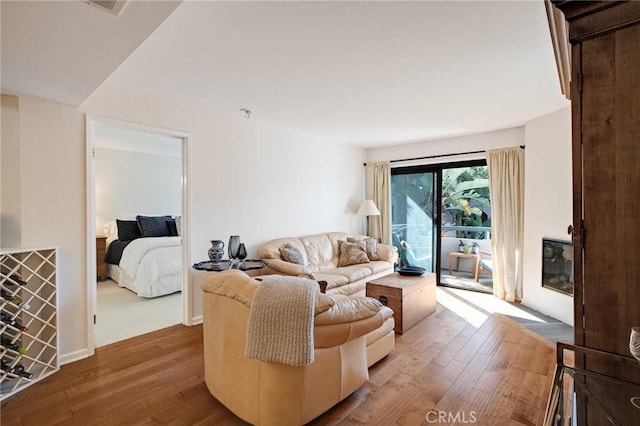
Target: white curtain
{"points": [[506, 185], [378, 189]]}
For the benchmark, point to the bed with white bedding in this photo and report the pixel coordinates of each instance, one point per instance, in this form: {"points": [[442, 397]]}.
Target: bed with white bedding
{"points": [[150, 266]]}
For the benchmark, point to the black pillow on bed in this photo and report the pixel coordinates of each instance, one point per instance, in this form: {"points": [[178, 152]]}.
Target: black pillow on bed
{"points": [[128, 230], [173, 228], [154, 226]]}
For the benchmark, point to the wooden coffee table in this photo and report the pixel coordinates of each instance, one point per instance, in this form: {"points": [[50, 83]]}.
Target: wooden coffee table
{"points": [[412, 298]]}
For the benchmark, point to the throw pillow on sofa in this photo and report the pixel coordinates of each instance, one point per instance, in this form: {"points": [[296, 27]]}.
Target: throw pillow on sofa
{"points": [[372, 247], [292, 255], [352, 253]]}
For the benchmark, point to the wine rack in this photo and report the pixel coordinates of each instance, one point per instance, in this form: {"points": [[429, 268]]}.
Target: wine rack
{"points": [[29, 307]]}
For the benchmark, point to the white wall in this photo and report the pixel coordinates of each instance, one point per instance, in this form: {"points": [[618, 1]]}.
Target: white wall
{"points": [[10, 199], [52, 162], [548, 206], [130, 183]]}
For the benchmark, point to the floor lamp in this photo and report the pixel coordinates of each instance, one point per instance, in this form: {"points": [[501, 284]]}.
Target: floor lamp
{"points": [[368, 208]]}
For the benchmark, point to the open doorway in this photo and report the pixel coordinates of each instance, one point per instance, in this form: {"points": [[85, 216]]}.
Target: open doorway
{"points": [[441, 221], [137, 227]]}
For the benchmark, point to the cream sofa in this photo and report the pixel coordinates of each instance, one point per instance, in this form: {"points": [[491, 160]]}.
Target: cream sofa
{"points": [[267, 393], [320, 254]]}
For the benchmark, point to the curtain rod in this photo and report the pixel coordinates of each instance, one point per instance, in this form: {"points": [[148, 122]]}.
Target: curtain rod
{"points": [[428, 157]]}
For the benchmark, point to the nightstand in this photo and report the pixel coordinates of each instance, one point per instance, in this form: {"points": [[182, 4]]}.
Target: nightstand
{"points": [[101, 251]]}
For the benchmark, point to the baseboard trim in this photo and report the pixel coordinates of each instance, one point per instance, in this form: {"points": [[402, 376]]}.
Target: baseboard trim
{"points": [[74, 356], [197, 320]]}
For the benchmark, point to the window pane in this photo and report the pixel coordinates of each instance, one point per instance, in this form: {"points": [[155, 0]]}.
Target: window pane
{"points": [[412, 218]]}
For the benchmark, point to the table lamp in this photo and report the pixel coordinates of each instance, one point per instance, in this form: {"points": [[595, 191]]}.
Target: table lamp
{"points": [[368, 208]]}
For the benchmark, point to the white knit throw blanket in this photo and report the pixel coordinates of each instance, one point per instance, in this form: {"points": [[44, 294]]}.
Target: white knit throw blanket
{"points": [[280, 325]]}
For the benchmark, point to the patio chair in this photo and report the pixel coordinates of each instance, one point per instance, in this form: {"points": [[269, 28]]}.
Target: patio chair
{"points": [[406, 257], [484, 263]]}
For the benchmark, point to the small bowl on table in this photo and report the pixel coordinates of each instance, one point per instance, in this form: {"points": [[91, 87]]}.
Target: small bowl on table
{"points": [[411, 270]]}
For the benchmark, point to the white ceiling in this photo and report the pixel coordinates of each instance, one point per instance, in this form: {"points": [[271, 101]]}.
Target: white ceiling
{"points": [[63, 50], [365, 73]]}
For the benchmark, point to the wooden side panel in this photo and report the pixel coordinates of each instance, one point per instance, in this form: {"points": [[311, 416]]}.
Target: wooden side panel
{"points": [[576, 130], [611, 202], [101, 266], [611, 188], [606, 169]]}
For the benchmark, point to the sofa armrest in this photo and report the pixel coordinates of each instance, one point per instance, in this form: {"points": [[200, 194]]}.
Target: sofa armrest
{"points": [[287, 268], [387, 252]]}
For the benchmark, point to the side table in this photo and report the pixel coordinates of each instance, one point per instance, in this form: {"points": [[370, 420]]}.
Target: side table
{"points": [[224, 265], [475, 258]]}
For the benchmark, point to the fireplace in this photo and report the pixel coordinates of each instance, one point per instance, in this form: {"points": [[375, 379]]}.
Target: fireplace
{"points": [[557, 265]]}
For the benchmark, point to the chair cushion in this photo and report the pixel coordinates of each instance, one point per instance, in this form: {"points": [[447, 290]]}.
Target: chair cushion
{"points": [[351, 273], [333, 280], [376, 266], [387, 326], [347, 309], [486, 265]]}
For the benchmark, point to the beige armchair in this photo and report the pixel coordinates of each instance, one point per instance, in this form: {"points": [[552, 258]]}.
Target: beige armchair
{"points": [[266, 393]]}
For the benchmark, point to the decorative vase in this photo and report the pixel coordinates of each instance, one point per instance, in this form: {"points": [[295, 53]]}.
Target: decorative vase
{"points": [[242, 252], [216, 251], [233, 246]]}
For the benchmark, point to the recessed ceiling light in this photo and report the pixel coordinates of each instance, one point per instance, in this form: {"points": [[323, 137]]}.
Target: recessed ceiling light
{"points": [[112, 6]]}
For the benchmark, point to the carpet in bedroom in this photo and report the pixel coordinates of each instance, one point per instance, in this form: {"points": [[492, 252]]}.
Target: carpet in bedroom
{"points": [[121, 314]]}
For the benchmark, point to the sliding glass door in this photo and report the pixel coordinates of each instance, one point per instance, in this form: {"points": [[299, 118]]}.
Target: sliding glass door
{"points": [[414, 217], [441, 217]]}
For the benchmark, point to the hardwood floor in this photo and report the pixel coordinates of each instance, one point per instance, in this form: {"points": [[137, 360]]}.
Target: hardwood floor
{"points": [[443, 371]]}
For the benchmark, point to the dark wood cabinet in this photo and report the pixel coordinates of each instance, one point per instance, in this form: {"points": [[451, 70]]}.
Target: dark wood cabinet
{"points": [[605, 102], [101, 265]]}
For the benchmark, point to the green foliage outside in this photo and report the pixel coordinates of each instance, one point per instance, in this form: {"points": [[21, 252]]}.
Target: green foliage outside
{"points": [[465, 199]]}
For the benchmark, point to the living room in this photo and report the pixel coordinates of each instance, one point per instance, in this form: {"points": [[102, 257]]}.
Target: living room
{"points": [[251, 177]]}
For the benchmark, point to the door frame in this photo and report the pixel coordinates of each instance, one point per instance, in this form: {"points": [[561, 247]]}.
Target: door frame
{"points": [[187, 305]]}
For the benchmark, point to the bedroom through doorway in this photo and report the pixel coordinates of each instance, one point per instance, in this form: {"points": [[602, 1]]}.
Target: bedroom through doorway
{"points": [[137, 203]]}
